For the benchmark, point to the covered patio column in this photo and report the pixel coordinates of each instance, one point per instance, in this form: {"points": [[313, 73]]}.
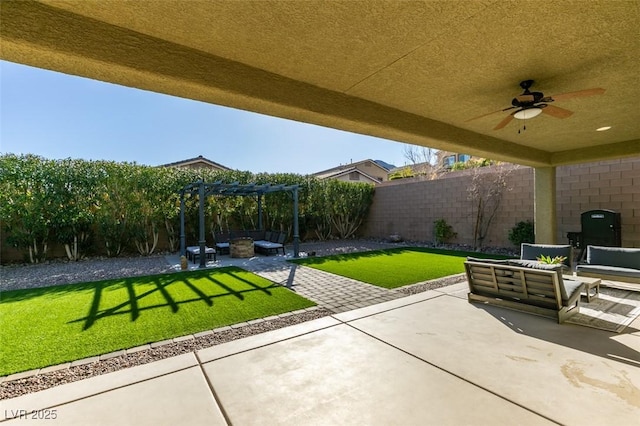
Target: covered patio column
{"points": [[544, 205]]}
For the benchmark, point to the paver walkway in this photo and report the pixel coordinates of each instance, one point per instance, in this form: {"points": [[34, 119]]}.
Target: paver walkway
{"points": [[333, 292]]}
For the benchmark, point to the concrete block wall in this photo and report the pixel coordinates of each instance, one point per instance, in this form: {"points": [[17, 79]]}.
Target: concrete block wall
{"points": [[612, 185], [409, 207]]}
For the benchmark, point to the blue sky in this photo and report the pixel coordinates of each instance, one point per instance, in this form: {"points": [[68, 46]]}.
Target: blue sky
{"points": [[59, 116]]}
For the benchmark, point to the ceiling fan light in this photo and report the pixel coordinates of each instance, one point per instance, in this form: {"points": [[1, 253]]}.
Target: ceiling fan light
{"points": [[525, 114]]}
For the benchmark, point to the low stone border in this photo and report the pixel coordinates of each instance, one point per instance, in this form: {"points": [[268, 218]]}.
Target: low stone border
{"points": [[432, 284]]}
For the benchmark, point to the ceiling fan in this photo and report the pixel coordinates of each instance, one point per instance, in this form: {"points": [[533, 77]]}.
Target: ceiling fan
{"points": [[530, 104]]}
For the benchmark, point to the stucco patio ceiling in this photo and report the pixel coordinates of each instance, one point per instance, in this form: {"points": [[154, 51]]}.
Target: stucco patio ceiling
{"points": [[408, 71]]}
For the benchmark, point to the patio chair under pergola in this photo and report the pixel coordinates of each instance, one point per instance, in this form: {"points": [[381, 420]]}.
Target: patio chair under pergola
{"points": [[204, 190]]}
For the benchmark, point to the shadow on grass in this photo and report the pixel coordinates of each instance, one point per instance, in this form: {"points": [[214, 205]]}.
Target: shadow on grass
{"points": [[161, 287], [229, 290], [203, 296], [392, 252], [135, 311], [265, 290], [95, 313], [160, 283]]}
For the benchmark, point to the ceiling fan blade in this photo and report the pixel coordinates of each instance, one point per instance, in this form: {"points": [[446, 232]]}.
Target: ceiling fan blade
{"points": [[556, 112], [504, 122], [578, 94], [489, 113]]}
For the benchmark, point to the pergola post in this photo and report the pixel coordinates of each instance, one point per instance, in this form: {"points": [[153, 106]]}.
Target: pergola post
{"points": [[260, 225], [296, 231], [183, 251], [202, 242]]}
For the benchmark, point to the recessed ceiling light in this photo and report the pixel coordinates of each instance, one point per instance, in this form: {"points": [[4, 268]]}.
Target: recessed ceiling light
{"points": [[602, 129]]}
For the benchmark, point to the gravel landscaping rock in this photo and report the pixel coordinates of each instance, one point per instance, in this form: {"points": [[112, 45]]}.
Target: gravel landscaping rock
{"points": [[433, 284], [15, 277]]}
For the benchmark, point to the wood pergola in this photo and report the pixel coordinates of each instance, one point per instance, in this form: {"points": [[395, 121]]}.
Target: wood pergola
{"points": [[204, 190]]}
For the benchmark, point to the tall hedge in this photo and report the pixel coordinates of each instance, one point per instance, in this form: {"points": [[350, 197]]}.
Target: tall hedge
{"points": [[76, 203]]}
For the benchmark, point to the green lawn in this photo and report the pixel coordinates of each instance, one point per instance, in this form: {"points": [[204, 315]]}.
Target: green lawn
{"points": [[52, 325], [394, 267]]}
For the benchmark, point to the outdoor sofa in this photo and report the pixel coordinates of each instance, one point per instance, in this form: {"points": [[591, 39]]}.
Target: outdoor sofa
{"points": [[611, 263], [523, 285], [271, 242], [265, 242], [193, 252], [534, 251]]}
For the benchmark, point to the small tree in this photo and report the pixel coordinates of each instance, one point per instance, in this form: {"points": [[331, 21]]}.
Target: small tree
{"points": [[75, 186], [147, 212], [350, 203], [319, 206], [114, 207], [485, 193], [422, 161], [443, 231], [24, 200]]}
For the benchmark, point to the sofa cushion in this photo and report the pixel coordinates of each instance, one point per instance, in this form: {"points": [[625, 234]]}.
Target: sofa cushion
{"points": [[534, 251], [568, 288], [534, 264], [609, 270], [492, 261], [614, 256]]}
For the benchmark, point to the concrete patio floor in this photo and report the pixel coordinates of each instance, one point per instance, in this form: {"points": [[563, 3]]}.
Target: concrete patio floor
{"points": [[431, 358]]}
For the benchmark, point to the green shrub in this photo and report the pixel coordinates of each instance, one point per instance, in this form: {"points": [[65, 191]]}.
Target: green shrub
{"points": [[402, 174], [128, 206], [523, 232], [443, 231], [472, 164]]}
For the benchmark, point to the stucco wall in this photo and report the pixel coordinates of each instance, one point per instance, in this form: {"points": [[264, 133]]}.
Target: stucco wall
{"points": [[409, 208]]}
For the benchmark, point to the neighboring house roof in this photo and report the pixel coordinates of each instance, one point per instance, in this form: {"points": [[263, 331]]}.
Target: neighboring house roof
{"points": [[351, 165], [335, 174], [197, 162], [384, 164]]}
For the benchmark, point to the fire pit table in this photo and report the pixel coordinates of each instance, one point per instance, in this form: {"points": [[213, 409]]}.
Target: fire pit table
{"points": [[241, 247]]}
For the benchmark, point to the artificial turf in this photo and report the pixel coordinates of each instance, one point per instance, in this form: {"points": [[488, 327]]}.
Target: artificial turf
{"points": [[52, 325], [394, 267]]}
